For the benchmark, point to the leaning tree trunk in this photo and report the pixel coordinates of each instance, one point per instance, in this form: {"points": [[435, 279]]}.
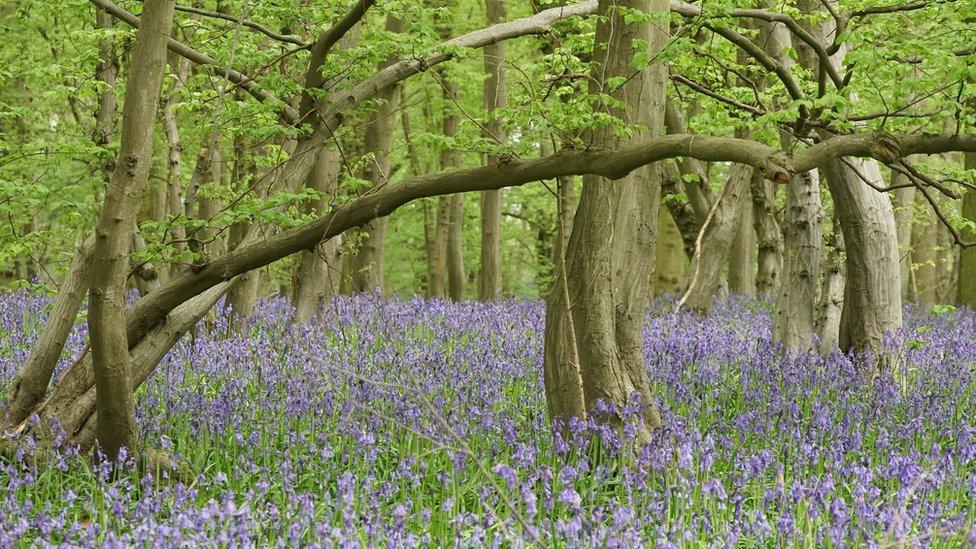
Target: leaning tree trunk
{"points": [[966, 287], [799, 290], [872, 295], [595, 314], [715, 240], [116, 426], [490, 273]]}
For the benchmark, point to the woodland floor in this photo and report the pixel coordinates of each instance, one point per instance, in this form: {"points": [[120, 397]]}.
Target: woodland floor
{"points": [[423, 423]]}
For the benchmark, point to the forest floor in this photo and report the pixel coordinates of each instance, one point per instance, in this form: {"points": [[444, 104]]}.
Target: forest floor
{"points": [[409, 423]]}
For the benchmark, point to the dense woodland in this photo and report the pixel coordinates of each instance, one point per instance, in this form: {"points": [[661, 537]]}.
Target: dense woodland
{"points": [[170, 173]]}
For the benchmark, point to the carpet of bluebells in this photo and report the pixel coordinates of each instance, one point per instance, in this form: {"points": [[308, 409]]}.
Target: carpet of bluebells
{"points": [[406, 423]]}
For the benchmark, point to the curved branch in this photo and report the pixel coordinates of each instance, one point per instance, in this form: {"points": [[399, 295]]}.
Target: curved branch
{"points": [[882, 146], [249, 24]]}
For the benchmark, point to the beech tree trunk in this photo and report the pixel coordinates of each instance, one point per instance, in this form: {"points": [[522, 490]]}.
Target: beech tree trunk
{"points": [[904, 208], [106, 317], [832, 295], [742, 256], [966, 286], [457, 279], [317, 275], [925, 255], [367, 261], [872, 294], [769, 238], [669, 258], [490, 273], [799, 289], [595, 314], [715, 240]]}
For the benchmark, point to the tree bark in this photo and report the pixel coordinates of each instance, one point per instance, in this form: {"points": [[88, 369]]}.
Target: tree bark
{"points": [[924, 256], [872, 294], [715, 240], [966, 286], [106, 319], [768, 236], [451, 209], [742, 256], [595, 315], [317, 275], [904, 207], [832, 295], [490, 272], [366, 262], [669, 259], [799, 290], [457, 279]]}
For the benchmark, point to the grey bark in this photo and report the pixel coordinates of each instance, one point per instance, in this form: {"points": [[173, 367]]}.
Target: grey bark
{"points": [[715, 240], [769, 237], [872, 295], [595, 313], [669, 258], [106, 319], [832, 295], [904, 208], [799, 290], [366, 262], [457, 279], [490, 272], [742, 256], [966, 286], [317, 275]]}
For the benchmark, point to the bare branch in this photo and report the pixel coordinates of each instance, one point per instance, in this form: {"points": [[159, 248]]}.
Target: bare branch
{"points": [[249, 24]]}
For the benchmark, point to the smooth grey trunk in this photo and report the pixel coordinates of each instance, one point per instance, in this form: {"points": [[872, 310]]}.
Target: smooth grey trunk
{"points": [[366, 262], [924, 256], [769, 237], [317, 275], [669, 258], [680, 210], [832, 294], [457, 279], [490, 271], [803, 251], [904, 208], [966, 286], [872, 294], [595, 314], [742, 256], [29, 384], [116, 426], [715, 240]]}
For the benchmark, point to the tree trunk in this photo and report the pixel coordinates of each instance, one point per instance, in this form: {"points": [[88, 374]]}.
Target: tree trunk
{"points": [[106, 318], [29, 385], [595, 314], [669, 259], [966, 287], [742, 256], [832, 295], [799, 290], [715, 240], [925, 256], [904, 207], [872, 296], [768, 236], [681, 211], [367, 261], [490, 272], [437, 261], [316, 277], [457, 279]]}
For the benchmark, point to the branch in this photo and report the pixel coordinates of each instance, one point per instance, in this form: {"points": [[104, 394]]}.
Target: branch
{"points": [[245, 82], [322, 47], [884, 147], [255, 26]]}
